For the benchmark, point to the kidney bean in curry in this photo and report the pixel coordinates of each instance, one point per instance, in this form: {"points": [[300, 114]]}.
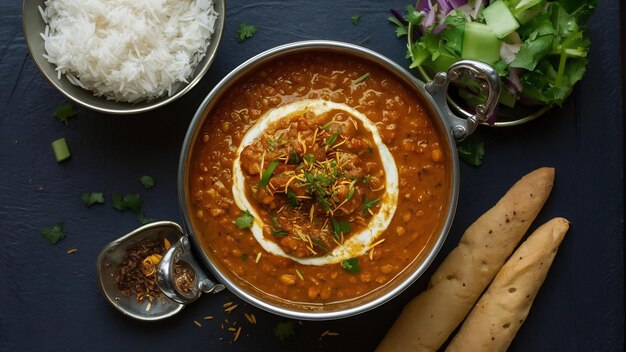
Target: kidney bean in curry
{"points": [[406, 129]]}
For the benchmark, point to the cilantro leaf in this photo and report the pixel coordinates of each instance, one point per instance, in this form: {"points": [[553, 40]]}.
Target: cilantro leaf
{"points": [[294, 159], [581, 9], [147, 181], [361, 79], [91, 198], [401, 28], [245, 31], [351, 265], [285, 330], [320, 245], [332, 139], [54, 234], [64, 112], [369, 203], [472, 153], [413, 16], [279, 233], [267, 174], [127, 202], [292, 198], [340, 227], [144, 220], [355, 18], [245, 220]]}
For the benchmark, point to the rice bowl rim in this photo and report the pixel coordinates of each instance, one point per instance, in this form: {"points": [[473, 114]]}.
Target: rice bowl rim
{"points": [[33, 25]]}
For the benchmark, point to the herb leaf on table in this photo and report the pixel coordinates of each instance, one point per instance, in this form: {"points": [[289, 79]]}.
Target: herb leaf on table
{"points": [[53, 234]]}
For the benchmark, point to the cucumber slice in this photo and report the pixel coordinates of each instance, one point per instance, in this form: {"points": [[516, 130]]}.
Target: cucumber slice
{"points": [[61, 151], [500, 19], [480, 43], [524, 10]]}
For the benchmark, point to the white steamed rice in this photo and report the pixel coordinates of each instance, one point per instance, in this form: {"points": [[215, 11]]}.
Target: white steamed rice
{"points": [[127, 50]]}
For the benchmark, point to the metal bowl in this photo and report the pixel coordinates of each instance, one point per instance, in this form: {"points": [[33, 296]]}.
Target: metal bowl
{"points": [[33, 25], [451, 128]]}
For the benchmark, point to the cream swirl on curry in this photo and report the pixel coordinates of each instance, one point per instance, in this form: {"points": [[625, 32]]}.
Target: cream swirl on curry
{"points": [[318, 180]]}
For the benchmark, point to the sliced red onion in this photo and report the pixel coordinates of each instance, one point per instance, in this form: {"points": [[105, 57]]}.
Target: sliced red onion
{"points": [[430, 18], [439, 28], [509, 86], [456, 3], [444, 6], [465, 10], [424, 5], [508, 52], [514, 78]]}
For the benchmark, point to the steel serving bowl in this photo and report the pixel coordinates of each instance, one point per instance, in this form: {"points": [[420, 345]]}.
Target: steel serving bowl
{"points": [[33, 25], [451, 127]]}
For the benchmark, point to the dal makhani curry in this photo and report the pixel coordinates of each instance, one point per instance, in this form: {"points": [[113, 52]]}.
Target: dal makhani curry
{"points": [[318, 178]]}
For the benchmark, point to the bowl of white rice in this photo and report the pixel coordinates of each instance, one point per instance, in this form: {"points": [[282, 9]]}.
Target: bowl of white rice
{"points": [[123, 56]]}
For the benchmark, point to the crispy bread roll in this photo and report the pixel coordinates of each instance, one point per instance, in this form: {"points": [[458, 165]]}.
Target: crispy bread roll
{"points": [[498, 315], [428, 320]]}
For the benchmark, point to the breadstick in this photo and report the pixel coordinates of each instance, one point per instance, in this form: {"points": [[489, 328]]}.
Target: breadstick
{"points": [[498, 315], [428, 320]]}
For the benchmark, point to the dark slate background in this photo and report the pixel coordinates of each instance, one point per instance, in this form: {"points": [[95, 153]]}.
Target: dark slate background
{"points": [[50, 300]]}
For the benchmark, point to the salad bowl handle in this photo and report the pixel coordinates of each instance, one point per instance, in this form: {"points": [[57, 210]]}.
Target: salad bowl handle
{"points": [[179, 257], [489, 84]]}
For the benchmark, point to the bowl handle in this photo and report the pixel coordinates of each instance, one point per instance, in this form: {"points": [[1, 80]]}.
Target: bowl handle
{"points": [[179, 257], [489, 83]]}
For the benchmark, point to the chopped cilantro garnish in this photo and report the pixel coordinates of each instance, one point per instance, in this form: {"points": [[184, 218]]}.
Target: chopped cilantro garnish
{"points": [[64, 112], [244, 256], [319, 244], [267, 174], [244, 221], [279, 233], [327, 124], [332, 139], [275, 220], [350, 191], [309, 158], [369, 203], [355, 18], [54, 234], [292, 198], [285, 330], [294, 159], [351, 265], [472, 153], [127, 202], [369, 150], [245, 31], [91, 198], [361, 79], [147, 181], [340, 227]]}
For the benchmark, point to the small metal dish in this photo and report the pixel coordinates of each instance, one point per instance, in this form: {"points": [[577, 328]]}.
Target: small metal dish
{"points": [[174, 300], [33, 25]]}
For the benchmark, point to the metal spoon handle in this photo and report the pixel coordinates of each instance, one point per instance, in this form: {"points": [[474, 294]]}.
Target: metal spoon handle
{"points": [[179, 256]]}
